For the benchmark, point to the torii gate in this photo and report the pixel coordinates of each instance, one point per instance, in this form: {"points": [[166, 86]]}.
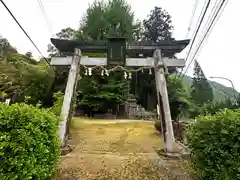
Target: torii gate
{"points": [[140, 54]]}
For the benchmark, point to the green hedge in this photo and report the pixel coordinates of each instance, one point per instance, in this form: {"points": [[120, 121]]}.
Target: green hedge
{"points": [[29, 144], [215, 144]]}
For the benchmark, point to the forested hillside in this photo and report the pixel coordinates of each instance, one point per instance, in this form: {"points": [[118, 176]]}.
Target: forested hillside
{"points": [[220, 91]]}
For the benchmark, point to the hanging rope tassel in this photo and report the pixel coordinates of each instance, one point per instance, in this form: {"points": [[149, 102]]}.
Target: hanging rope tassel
{"points": [[130, 75], [86, 72], [125, 75], [89, 71]]}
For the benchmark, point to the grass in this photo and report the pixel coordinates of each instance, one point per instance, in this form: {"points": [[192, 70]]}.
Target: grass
{"points": [[109, 150]]}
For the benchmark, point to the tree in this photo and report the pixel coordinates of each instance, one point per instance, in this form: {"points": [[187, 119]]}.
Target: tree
{"points": [[93, 24], [158, 26], [29, 54], [201, 90], [102, 93], [178, 98], [4, 44], [51, 50], [105, 19], [67, 33], [5, 47], [22, 76]]}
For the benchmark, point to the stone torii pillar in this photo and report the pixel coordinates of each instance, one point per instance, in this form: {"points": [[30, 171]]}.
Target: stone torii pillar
{"points": [[163, 102], [69, 94]]}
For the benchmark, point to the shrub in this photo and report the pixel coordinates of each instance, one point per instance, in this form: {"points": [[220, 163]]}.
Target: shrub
{"points": [[29, 145], [158, 125], [57, 106], [215, 144]]}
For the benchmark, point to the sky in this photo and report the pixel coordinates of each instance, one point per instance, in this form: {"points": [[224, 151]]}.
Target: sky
{"points": [[217, 57]]}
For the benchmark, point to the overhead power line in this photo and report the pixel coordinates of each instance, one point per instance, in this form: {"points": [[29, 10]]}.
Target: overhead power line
{"points": [[189, 28], [198, 25], [209, 30], [198, 28], [25, 32], [192, 17], [45, 16], [213, 11], [205, 26]]}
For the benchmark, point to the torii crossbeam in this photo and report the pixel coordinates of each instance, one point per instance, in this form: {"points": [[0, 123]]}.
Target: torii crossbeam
{"points": [[118, 52]]}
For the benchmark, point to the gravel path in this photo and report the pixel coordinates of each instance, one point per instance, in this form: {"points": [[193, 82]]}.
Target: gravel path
{"points": [[117, 151]]}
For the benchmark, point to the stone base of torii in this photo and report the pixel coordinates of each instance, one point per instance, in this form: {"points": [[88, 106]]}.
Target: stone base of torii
{"points": [[156, 62]]}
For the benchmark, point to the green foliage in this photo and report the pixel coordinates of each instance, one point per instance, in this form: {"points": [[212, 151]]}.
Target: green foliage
{"points": [[143, 86], [178, 98], [29, 144], [27, 99], [102, 93], [67, 33], [58, 101], [103, 19], [201, 90], [21, 76], [215, 144], [5, 47], [217, 106], [212, 108], [2, 94], [158, 125], [158, 26], [220, 92]]}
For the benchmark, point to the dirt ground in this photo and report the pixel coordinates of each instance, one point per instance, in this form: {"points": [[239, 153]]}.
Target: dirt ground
{"points": [[117, 150]]}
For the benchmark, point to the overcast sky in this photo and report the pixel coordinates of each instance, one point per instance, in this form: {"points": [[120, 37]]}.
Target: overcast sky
{"points": [[218, 56]]}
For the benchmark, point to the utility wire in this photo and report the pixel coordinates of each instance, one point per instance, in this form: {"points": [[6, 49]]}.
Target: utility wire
{"points": [[198, 25], [198, 28], [45, 16], [25, 33], [189, 27], [216, 6], [209, 30], [191, 19], [214, 10]]}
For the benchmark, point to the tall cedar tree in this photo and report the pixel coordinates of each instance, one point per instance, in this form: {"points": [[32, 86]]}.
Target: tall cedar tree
{"points": [[201, 90], [156, 27]]}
